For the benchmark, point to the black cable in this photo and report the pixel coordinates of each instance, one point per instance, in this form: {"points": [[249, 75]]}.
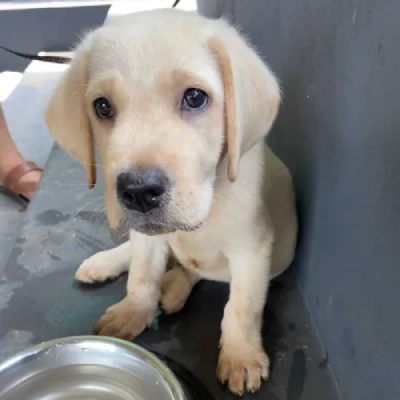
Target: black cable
{"points": [[51, 59]]}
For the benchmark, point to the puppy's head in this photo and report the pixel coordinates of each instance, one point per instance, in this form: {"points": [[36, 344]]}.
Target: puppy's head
{"points": [[172, 101]]}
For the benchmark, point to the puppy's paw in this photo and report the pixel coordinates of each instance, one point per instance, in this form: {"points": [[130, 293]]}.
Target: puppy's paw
{"points": [[175, 289], [123, 321], [98, 268], [242, 367]]}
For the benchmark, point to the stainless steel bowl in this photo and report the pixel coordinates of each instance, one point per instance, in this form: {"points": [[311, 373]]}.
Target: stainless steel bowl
{"points": [[88, 368]]}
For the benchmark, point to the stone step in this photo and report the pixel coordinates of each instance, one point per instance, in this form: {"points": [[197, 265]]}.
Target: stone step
{"points": [[39, 299]]}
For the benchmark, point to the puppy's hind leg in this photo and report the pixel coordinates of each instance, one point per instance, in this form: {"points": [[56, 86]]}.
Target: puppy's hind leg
{"points": [[176, 286], [108, 264]]}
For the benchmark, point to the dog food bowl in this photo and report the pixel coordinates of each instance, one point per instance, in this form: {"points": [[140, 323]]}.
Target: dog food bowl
{"points": [[89, 368]]}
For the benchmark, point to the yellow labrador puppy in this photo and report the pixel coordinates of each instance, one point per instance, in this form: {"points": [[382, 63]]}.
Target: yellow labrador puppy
{"points": [[178, 106]]}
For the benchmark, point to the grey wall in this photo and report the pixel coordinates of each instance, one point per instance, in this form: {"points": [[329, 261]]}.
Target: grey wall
{"points": [[44, 29], [339, 131]]}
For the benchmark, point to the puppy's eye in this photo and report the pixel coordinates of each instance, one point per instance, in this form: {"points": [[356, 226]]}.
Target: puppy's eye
{"points": [[194, 99], [103, 108]]}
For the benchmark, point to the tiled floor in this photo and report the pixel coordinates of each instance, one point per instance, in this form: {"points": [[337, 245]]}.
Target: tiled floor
{"points": [[23, 110]]}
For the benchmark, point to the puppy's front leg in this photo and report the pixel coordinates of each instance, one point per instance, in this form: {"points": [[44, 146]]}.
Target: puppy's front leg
{"points": [[136, 311], [242, 360], [107, 264]]}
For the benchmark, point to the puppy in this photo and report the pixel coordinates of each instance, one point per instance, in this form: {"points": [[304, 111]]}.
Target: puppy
{"points": [[178, 106]]}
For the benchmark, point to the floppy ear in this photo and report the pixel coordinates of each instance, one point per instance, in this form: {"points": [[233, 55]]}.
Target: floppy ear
{"points": [[251, 95], [66, 114]]}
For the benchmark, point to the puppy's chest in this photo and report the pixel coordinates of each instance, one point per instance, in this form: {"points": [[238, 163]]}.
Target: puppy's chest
{"points": [[202, 257]]}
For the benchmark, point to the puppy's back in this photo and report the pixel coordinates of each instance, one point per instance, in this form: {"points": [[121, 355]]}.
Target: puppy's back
{"points": [[280, 202]]}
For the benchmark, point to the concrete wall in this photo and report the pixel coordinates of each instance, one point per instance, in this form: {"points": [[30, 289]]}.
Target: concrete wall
{"points": [[339, 131], [31, 30]]}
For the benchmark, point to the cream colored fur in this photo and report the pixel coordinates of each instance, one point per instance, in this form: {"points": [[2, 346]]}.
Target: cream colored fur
{"points": [[238, 212]]}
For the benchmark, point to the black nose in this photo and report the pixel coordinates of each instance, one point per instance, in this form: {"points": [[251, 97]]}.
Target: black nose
{"points": [[142, 191]]}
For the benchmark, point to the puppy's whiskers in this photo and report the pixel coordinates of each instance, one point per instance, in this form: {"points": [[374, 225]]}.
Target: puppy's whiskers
{"points": [[87, 204]]}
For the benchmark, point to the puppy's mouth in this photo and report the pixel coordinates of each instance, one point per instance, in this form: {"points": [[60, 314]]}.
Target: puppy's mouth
{"points": [[153, 228], [149, 209]]}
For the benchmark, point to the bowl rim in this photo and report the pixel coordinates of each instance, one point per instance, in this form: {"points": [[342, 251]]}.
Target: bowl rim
{"points": [[172, 381]]}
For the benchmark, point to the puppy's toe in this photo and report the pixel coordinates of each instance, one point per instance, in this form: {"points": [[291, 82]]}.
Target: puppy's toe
{"points": [[123, 321], [175, 290], [95, 269], [242, 368]]}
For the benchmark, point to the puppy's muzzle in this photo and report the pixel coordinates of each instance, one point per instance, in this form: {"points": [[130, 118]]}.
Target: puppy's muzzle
{"points": [[142, 190]]}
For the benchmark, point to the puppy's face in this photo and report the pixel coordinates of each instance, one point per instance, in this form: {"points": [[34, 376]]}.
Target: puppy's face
{"points": [[155, 93], [156, 113]]}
